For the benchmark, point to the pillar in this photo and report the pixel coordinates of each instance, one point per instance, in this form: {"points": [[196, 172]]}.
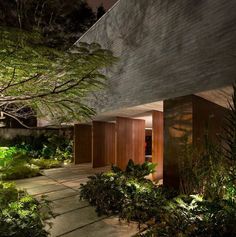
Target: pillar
{"points": [[189, 117], [158, 142], [104, 144], [82, 143], [130, 141]]}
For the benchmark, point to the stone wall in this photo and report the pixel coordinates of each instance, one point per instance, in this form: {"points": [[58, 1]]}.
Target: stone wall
{"points": [[166, 49], [11, 133]]}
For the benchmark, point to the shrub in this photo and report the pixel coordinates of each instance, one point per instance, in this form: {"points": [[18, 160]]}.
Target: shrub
{"points": [[126, 193], [19, 171], [143, 202], [105, 192], [16, 165], [46, 146], [46, 163], [195, 217], [21, 215]]}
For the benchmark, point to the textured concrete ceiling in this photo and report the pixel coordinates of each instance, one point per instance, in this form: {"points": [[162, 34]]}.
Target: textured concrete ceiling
{"points": [[220, 96]]}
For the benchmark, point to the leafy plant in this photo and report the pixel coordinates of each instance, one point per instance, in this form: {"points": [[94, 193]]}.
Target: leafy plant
{"points": [[14, 164], [126, 193], [138, 171], [20, 214], [6, 155], [192, 216], [202, 172], [229, 145], [46, 163], [19, 170]]}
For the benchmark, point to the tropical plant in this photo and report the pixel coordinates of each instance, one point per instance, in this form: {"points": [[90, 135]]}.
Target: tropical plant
{"points": [[46, 163], [126, 193], [202, 171], [193, 216], [22, 215], [229, 139], [138, 171], [14, 164]]}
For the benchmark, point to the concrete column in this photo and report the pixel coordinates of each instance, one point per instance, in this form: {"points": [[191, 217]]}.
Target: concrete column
{"points": [[189, 117], [82, 143], [130, 141], [104, 144]]}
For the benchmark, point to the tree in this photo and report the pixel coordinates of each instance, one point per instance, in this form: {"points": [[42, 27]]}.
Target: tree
{"points": [[60, 22], [51, 82], [100, 11]]}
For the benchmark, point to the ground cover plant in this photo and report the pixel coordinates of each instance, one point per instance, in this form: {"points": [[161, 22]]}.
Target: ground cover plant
{"points": [[22, 215], [29, 155], [14, 164]]}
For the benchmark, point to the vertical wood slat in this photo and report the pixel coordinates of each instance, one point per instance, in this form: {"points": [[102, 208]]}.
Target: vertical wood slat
{"points": [[82, 143], [130, 141], [104, 152], [158, 142]]}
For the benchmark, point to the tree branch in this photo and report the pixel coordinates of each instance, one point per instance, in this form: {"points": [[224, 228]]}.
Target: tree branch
{"points": [[19, 83], [52, 92], [18, 120]]}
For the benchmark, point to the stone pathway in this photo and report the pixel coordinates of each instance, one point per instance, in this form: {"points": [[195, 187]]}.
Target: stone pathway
{"points": [[74, 218]]}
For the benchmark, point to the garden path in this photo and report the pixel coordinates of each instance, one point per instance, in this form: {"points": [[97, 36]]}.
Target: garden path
{"points": [[74, 218]]}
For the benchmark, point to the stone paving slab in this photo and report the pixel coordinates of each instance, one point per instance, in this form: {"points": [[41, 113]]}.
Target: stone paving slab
{"points": [[73, 220], [45, 189], [109, 227], [34, 182], [61, 178], [68, 204], [75, 183], [60, 194]]}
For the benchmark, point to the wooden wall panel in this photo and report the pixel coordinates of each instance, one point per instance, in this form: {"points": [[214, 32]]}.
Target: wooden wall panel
{"points": [[158, 142], [104, 144], [207, 118], [190, 117], [130, 141], [178, 123], [82, 143]]}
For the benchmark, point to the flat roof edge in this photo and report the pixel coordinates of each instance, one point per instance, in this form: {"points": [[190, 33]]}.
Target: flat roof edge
{"points": [[94, 25]]}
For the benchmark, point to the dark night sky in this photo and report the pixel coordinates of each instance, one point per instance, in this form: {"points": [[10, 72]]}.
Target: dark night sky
{"points": [[106, 3]]}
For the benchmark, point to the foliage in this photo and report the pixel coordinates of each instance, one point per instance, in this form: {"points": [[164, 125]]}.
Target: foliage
{"points": [[100, 11], [144, 202], [46, 163], [202, 171], [20, 171], [61, 22], [20, 214], [14, 164], [195, 217], [53, 83], [126, 193], [138, 171], [46, 146], [6, 155], [229, 140], [17, 162]]}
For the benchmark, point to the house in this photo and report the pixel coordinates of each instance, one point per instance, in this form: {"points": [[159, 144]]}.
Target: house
{"points": [[177, 62]]}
